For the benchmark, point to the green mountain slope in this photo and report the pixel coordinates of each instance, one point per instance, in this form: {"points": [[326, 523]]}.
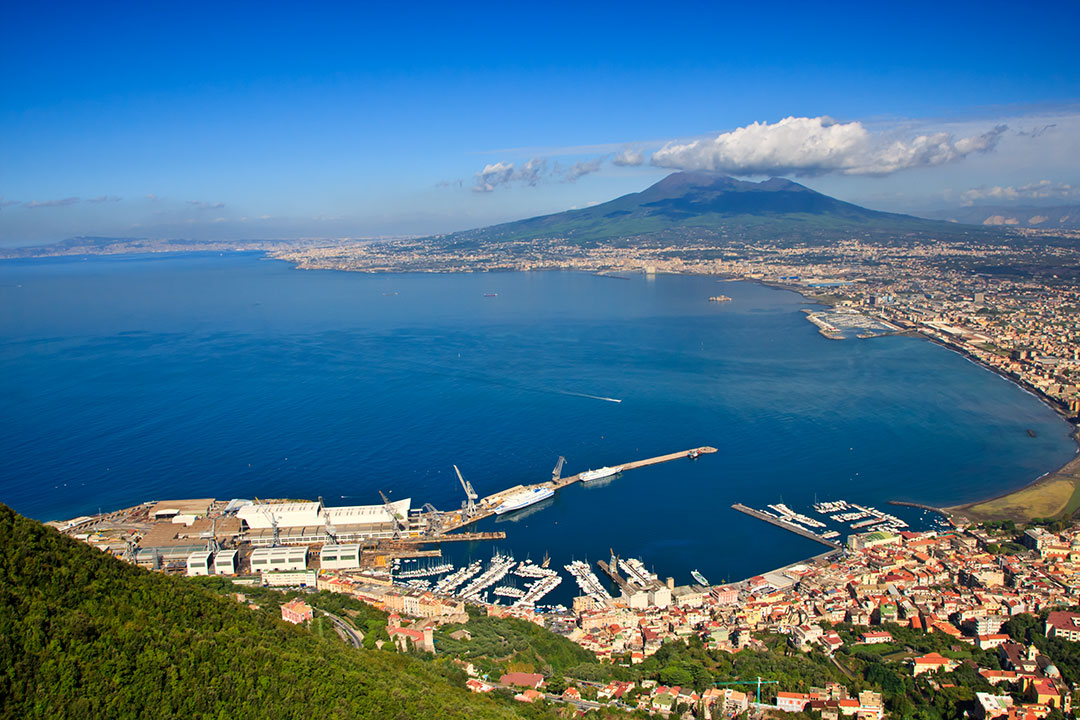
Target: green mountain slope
{"points": [[83, 635], [709, 205]]}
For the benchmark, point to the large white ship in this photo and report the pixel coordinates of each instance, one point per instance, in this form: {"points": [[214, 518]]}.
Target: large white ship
{"points": [[524, 498], [599, 473]]}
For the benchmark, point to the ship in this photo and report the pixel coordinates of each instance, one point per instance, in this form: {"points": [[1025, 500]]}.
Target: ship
{"points": [[699, 577], [524, 499], [599, 473]]}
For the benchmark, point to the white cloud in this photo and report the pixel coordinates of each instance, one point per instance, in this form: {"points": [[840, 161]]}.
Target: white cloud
{"points": [[818, 146], [1041, 190], [501, 173], [206, 205], [582, 168], [62, 202], [629, 157]]}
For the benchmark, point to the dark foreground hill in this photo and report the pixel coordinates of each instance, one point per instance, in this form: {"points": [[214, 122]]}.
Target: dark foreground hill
{"points": [[696, 205], [83, 635]]}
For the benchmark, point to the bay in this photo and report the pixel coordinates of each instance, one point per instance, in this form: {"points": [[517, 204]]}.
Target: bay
{"points": [[133, 378]]}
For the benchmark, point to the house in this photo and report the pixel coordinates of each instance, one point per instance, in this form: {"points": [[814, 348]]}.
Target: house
{"points": [[875, 638], [1065, 625], [932, 663], [988, 642], [792, 702], [572, 694], [521, 679], [296, 612], [529, 696], [478, 686]]}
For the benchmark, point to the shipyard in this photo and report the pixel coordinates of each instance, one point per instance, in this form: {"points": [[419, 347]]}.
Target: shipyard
{"points": [[301, 543]]}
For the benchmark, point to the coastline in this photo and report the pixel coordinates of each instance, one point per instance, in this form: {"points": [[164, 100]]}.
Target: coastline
{"points": [[1056, 474], [1007, 505]]}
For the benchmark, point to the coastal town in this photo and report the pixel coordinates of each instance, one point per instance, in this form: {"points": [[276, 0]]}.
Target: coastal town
{"points": [[920, 605]]}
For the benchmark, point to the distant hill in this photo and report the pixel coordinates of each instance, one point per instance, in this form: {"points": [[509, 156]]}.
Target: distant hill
{"points": [[707, 205], [1062, 217], [83, 635]]}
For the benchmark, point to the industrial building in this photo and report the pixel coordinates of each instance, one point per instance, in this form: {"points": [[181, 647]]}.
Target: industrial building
{"points": [[279, 559], [339, 557], [199, 563], [311, 523], [226, 562]]}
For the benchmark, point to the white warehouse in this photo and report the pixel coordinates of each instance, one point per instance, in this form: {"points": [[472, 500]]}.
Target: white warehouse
{"points": [[278, 559], [305, 523], [225, 563], [199, 563], [339, 557]]}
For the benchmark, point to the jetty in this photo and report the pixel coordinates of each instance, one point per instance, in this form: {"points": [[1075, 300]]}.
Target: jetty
{"points": [[486, 507], [792, 527]]}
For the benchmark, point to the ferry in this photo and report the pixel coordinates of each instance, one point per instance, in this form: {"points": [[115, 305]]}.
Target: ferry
{"points": [[524, 499], [699, 577], [599, 473]]}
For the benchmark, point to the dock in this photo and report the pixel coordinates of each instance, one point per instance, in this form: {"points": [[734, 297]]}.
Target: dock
{"points": [[787, 526], [613, 573], [486, 507]]}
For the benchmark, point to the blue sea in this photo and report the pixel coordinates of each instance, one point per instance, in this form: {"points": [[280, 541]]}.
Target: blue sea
{"points": [[125, 379]]}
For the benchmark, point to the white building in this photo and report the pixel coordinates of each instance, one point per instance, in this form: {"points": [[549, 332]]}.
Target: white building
{"points": [[339, 557], [200, 563], [278, 559], [226, 562], [306, 523], [302, 578]]}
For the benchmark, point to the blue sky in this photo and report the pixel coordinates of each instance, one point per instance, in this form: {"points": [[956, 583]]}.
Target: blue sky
{"points": [[271, 120]]}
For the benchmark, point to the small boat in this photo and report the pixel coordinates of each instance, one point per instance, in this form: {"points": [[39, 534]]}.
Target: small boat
{"points": [[491, 294], [699, 577], [694, 454]]}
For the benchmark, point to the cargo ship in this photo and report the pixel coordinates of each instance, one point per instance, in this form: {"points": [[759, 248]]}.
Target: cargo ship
{"points": [[524, 499], [599, 473]]}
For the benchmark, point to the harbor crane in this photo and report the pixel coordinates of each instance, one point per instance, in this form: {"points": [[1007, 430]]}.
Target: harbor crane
{"points": [[399, 522], [759, 682], [469, 506], [274, 524], [556, 474], [433, 518]]}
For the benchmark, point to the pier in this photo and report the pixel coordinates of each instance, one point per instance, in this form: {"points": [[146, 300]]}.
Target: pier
{"points": [[613, 573], [787, 526], [486, 507]]}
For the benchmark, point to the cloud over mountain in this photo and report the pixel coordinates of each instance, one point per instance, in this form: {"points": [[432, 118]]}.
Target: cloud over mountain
{"points": [[818, 146]]}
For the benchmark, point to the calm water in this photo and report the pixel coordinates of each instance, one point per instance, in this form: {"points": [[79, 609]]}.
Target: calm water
{"points": [[124, 380]]}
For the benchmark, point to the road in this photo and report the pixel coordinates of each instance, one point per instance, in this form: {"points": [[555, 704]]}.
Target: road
{"points": [[347, 632]]}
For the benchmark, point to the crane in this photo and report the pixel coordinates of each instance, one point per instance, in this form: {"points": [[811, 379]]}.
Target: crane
{"points": [[557, 472], [274, 524], [399, 523], [759, 682], [433, 517], [469, 506]]}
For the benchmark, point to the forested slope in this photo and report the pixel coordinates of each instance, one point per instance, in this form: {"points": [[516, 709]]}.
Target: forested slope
{"points": [[83, 635]]}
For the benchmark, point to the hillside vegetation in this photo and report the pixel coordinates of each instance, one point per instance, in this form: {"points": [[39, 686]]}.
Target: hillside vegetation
{"points": [[83, 635]]}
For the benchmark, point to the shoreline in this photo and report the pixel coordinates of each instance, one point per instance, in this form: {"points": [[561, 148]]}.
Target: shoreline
{"points": [[273, 253], [1068, 468]]}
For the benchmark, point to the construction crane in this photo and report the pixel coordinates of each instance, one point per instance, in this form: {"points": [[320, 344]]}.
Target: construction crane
{"points": [[759, 682], [469, 506], [399, 522], [212, 543], [557, 472]]}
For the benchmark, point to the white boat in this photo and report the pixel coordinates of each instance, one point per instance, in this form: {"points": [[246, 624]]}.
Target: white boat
{"points": [[523, 499], [599, 473], [699, 577]]}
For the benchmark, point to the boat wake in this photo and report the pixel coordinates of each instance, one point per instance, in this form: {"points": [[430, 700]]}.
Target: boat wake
{"points": [[591, 397]]}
